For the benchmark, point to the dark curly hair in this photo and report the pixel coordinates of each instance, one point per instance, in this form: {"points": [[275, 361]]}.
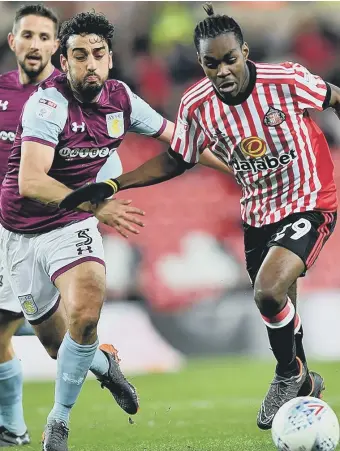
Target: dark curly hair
{"points": [[215, 25], [35, 10], [83, 24]]}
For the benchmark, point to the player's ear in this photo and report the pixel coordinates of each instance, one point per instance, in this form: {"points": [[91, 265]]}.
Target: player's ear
{"points": [[110, 60], [56, 46], [245, 50], [10, 39], [199, 59], [64, 64]]}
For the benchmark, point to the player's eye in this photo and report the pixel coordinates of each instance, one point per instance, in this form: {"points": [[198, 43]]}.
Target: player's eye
{"points": [[26, 35], [212, 65], [80, 57]]}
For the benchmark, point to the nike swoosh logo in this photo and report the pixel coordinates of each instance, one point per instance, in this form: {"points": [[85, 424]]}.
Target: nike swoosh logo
{"points": [[268, 419]]}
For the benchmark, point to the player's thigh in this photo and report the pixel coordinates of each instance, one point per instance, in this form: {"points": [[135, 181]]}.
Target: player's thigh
{"points": [[277, 274], [294, 247], [78, 272], [292, 293]]}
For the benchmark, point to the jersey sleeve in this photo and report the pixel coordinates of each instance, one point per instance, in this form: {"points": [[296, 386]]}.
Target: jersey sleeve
{"points": [[189, 139], [44, 117], [112, 168], [311, 90], [144, 119]]}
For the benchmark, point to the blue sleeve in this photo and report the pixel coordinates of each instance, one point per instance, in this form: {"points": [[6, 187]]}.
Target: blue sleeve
{"points": [[144, 119], [112, 168], [44, 116]]}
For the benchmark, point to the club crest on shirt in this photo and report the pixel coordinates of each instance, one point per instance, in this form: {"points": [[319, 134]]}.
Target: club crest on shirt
{"points": [[115, 124], [28, 304], [274, 117]]}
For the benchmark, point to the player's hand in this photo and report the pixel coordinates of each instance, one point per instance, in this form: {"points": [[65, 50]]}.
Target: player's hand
{"points": [[120, 215], [93, 192]]}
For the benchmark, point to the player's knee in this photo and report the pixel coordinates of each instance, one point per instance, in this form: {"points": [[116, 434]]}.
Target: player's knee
{"points": [[269, 299], [84, 325]]}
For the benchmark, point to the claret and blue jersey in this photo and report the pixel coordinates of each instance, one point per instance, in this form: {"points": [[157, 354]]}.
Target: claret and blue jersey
{"points": [[83, 136]]}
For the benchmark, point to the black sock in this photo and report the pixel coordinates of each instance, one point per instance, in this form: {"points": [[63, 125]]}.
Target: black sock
{"points": [[300, 352], [282, 342], [280, 328]]}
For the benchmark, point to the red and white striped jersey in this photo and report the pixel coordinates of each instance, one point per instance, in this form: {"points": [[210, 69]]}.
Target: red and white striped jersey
{"points": [[278, 154]]}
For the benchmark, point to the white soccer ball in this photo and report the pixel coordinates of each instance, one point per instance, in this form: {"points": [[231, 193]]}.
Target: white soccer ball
{"points": [[305, 424]]}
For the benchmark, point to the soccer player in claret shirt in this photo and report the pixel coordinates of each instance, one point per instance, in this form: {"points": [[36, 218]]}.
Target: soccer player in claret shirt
{"points": [[255, 116], [33, 41]]}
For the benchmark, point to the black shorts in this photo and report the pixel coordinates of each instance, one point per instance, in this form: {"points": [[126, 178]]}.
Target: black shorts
{"points": [[302, 233]]}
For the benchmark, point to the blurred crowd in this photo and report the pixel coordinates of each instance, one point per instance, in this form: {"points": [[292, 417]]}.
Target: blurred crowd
{"points": [[154, 50]]}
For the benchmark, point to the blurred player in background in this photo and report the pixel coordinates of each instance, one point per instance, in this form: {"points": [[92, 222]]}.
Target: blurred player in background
{"points": [[255, 116], [33, 40]]}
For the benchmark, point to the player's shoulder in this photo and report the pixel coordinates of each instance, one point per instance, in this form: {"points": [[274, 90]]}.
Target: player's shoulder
{"points": [[197, 93], [278, 72], [114, 85], [58, 82], [9, 80], [55, 88], [53, 94], [119, 94]]}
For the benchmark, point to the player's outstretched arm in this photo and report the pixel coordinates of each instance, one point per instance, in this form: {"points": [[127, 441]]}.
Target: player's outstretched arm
{"points": [[164, 167], [207, 158]]}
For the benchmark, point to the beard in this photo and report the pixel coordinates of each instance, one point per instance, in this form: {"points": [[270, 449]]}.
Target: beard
{"points": [[32, 73], [87, 90]]}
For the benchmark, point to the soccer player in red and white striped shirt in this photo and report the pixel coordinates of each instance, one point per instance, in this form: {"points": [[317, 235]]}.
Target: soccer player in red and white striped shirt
{"points": [[255, 118]]}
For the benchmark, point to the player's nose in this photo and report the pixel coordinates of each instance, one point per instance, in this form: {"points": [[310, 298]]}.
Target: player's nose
{"points": [[35, 43], [91, 63], [223, 70]]}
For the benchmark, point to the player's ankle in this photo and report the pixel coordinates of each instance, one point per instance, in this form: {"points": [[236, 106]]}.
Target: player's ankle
{"points": [[288, 370]]}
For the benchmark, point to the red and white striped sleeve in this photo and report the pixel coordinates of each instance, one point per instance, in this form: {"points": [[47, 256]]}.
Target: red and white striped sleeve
{"points": [[188, 139], [311, 90]]}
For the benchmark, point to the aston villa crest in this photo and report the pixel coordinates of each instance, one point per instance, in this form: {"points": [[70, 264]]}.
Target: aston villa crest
{"points": [[274, 117], [115, 124]]}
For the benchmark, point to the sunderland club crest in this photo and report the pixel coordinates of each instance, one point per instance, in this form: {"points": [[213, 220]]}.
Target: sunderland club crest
{"points": [[274, 117]]}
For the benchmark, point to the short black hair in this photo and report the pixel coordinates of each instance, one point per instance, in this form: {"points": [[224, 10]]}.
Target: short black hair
{"points": [[215, 25], [36, 10], [83, 24]]}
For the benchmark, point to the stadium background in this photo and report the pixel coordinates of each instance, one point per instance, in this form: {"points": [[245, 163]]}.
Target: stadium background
{"points": [[180, 288]]}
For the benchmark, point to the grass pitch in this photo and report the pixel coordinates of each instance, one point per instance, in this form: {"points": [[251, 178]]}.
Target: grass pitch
{"points": [[209, 406]]}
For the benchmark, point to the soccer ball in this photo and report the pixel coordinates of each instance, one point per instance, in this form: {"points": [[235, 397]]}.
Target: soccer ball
{"points": [[305, 424]]}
